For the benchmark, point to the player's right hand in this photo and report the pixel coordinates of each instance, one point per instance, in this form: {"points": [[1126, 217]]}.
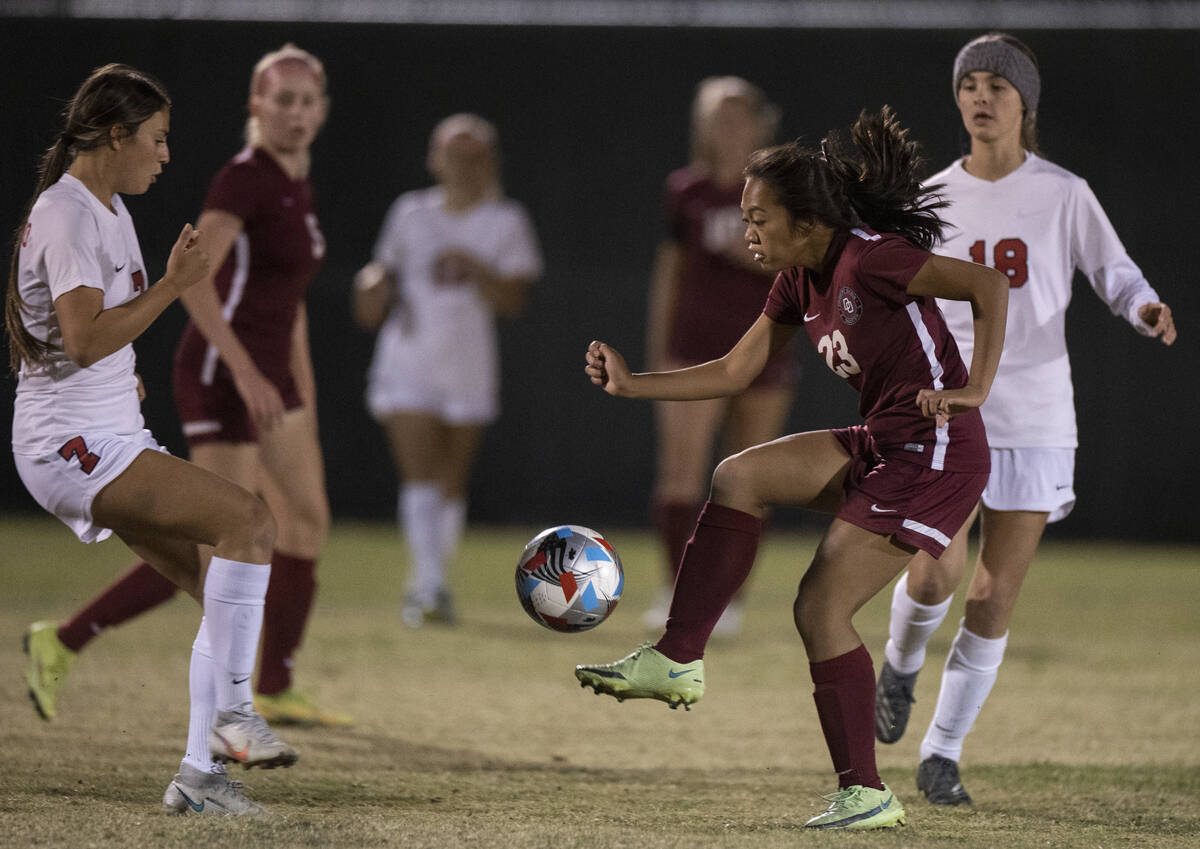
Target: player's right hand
{"points": [[263, 401], [607, 369], [188, 262]]}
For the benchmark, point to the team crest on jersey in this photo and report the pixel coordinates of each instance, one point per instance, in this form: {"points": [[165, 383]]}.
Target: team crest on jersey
{"points": [[849, 305]]}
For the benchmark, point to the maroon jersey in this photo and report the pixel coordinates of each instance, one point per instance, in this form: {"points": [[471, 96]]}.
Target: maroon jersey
{"points": [[718, 298], [264, 278], [887, 344]]}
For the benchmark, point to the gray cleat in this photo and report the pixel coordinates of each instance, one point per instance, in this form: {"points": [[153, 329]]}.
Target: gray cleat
{"points": [[194, 792], [893, 703], [938, 779], [242, 736]]}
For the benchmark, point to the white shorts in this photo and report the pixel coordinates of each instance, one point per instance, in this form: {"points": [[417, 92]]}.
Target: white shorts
{"points": [[455, 378], [1037, 479], [66, 481]]}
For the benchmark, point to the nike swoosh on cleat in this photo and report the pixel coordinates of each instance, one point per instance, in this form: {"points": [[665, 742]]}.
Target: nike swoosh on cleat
{"points": [[673, 674], [197, 808], [237, 754]]}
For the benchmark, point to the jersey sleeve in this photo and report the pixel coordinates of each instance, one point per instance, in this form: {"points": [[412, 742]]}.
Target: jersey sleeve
{"points": [[234, 190], [521, 256], [783, 301], [888, 263], [390, 239], [1096, 250], [69, 244]]}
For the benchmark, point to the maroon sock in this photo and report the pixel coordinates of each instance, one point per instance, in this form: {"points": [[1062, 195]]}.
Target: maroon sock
{"points": [[716, 561], [674, 521], [285, 613], [135, 592], [844, 690]]}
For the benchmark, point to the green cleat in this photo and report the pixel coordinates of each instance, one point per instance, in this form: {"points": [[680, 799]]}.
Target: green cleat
{"points": [[48, 664], [860, 807], [647, 674], [293, 707]]}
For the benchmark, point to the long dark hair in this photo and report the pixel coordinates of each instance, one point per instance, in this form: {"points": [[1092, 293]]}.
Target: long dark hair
{"points": [[876, 184], [113, 96]]}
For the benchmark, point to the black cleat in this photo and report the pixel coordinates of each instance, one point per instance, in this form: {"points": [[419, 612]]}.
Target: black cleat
{"points": [[893, 703], [938, 779]]}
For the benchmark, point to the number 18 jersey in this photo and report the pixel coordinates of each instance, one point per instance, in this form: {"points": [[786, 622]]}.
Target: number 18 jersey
{"points": [[887, 344]]}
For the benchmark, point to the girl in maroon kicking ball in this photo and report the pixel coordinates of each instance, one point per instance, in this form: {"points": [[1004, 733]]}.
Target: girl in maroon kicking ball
{"points": [[849, 234]]}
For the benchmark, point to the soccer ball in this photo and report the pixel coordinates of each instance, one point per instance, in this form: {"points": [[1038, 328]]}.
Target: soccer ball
{"points": [[569, 578]]}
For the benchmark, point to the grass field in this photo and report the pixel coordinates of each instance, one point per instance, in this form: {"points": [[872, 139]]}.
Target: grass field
{"points": [[480, 736]]}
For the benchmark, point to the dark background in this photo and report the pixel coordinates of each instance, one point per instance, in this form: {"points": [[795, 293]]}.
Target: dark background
{"points": [[591, 120]]}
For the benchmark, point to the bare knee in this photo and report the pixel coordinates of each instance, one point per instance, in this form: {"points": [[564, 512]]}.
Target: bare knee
{"points": [[249, 531], [733, 483], [930, 585]]}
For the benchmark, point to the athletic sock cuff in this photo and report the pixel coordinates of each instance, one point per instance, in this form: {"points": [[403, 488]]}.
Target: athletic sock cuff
{"points": [[842, 666], [235, 582], [973, 652], [720, 516]]}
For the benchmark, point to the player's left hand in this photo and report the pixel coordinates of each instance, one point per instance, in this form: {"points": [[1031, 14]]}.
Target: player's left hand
{"points": [[141, 389], [1158, 316], [944, 404]]}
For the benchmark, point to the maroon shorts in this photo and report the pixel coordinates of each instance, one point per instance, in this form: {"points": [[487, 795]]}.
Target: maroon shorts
{"points": [[215, 412], [913, 504]]}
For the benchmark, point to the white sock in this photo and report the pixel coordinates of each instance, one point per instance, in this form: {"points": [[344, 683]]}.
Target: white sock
{"points": [[420, 511], [233, 608], [454, 520], [967, 679], [202, 695], [910, 628]]}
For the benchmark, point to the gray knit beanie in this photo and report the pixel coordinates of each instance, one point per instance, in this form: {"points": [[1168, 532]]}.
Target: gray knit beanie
{"points": [[990, 53]]}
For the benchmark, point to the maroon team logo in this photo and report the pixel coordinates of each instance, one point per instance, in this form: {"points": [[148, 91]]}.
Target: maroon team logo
{"points": [[849, 305]]}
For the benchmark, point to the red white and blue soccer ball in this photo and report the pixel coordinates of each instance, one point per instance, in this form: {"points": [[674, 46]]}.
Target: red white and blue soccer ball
{"points": [[569, 578]]}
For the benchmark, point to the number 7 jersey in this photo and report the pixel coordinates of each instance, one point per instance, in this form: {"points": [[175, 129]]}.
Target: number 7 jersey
{"points": [[885, 343]]}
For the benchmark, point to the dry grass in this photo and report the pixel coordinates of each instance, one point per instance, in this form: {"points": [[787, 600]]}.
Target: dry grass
{"points": [[479, 735]]}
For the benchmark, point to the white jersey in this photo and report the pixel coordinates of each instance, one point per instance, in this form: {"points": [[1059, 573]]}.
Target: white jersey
{"points": [[440, 323], [73, 240], [1036, 225]]}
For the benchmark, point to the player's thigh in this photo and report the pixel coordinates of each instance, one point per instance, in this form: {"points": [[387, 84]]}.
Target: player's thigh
{"points": [[933, 580], [850, 567], [462, 447], [1008, 542], [235, 461], [756, 415], [685, 433], [417, 442], [290, 457], [161, 494], [802, 469]]}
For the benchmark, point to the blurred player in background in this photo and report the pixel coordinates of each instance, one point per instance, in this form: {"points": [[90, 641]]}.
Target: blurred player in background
{"points": [[77, 298], [244, 381], [849, 234], [705, 291], [1038, 224], [448, 259]]}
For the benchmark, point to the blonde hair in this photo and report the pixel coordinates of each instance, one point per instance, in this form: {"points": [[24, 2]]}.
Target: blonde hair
{"points": [[710, 94], [478, 128], [288, 53]]}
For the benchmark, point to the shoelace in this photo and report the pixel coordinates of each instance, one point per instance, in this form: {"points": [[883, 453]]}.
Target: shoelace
{"points": [[845, 795]]}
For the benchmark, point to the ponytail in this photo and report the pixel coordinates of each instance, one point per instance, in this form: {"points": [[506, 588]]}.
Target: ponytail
{"points": [[113, 96], [23, 346], [876, 185]]}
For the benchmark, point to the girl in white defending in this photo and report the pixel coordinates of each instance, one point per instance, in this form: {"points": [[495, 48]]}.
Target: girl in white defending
{"points": [[1037, 223], [77, 298], [449, 258]]}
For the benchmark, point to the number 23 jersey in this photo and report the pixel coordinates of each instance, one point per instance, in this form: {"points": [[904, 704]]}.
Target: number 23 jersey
{"points": [[885, 343]]}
